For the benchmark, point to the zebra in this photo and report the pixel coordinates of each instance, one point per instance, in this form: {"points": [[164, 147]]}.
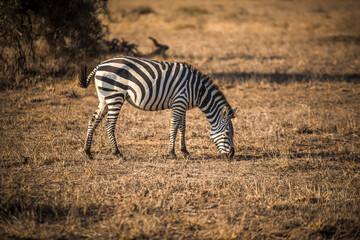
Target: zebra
{"points": [[157, 85]]}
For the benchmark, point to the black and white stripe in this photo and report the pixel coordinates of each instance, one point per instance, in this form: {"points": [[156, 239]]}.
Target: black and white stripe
{"points": [[156, 85]]}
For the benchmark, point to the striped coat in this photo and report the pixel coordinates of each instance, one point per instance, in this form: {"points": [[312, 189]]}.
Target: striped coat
{"points": [[156, 85]]}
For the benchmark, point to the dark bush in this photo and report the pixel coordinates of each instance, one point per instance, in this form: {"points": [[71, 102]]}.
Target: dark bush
{"points": [[71, 28]]}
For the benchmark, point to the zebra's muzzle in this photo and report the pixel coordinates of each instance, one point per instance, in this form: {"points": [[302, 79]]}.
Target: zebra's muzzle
{"points": [[230, 155]]}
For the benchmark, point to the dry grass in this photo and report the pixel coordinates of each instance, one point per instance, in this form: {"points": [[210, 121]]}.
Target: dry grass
{"points": [[291, 67]]}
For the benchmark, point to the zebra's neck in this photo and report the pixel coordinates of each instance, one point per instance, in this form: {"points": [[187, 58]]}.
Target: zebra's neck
{"points": [[211, 101]]}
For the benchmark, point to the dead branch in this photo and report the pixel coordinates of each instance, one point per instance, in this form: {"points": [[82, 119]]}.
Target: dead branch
{"points": [[130, 49], [160, 50]]}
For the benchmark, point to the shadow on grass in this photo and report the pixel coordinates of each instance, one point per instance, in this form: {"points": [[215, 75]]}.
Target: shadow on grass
{"points": [[284, 77], [21, 205], [342, 156], [243, 157]]}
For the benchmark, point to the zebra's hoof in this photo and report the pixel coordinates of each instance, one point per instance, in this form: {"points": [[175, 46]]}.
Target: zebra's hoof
{"points": [[88, 154], [119, 155], [186, 154], [172, 155]]}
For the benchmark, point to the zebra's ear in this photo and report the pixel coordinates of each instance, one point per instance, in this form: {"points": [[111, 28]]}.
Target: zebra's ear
{"points": [[232, 115], [224, 112]]}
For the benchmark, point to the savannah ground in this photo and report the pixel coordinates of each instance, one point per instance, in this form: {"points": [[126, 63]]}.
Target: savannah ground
{"points": [[291, 68]]}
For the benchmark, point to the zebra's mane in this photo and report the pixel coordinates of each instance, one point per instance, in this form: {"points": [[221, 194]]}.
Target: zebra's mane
{"points": [[206, 80], [198, 72]]}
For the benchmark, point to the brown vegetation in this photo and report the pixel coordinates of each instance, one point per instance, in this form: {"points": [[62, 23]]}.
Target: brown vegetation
{"points": [[291, 67]]}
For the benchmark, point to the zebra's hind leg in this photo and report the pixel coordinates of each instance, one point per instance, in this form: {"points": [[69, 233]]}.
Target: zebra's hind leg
{"points": [[114, 109], [176, 117], [182, 137], [99, 114]]}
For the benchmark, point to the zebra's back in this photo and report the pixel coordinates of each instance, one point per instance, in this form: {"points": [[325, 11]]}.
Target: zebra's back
{"points": [[146, 84]]}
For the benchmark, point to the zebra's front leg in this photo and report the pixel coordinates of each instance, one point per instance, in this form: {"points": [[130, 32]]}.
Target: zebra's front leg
{"points": [[182, 137], [176, 117], [110, 125], [93, 123]]}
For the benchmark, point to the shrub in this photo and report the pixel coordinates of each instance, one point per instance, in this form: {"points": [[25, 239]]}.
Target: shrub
{"points": [[192, 10], [71, 28]]}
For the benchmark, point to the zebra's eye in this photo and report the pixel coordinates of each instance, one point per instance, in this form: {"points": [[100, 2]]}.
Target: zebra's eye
{"points": [[227, 133]]}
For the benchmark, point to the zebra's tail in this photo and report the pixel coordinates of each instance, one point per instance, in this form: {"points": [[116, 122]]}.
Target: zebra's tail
{"points": [[84, 80]]}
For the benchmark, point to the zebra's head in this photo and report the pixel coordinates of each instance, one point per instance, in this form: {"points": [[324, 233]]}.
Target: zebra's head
{"points": [[223, 135]]}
